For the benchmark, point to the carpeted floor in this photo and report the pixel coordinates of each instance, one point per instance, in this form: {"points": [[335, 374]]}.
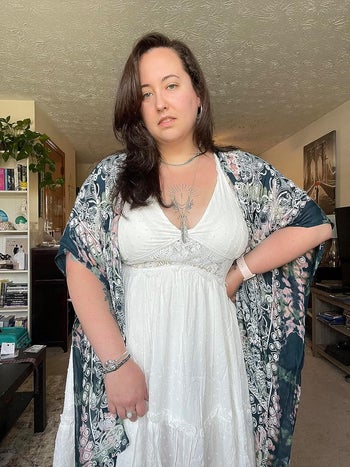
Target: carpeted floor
{"points": [[23, 448], [321, 437], [322, 431]]}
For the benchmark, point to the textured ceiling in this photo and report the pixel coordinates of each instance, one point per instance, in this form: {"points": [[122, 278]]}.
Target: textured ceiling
{"points": [[272, 67]]}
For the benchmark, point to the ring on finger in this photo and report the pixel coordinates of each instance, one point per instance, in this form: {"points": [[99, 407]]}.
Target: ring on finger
{"points": [[129, 414]]}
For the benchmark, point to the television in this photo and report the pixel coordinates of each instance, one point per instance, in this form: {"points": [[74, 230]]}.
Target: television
{"points": [[342, 221]]}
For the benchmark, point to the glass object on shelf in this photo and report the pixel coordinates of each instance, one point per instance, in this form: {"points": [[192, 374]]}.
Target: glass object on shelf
{"points": [[332, 255], [51, 201], [21, 220], [21, 223], [48, 235]]}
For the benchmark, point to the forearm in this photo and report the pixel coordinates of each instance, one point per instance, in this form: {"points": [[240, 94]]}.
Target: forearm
{"points": [[278, 249], [126, 388], [285, 245], [92, 308]]}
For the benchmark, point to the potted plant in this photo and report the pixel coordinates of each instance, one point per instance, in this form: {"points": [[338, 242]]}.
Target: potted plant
{"points": [[19, 142]]}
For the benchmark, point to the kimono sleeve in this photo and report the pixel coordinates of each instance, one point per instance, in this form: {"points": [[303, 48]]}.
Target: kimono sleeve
{"points": [[86, 231], [286, 203], [271, 307], [270, 200]]}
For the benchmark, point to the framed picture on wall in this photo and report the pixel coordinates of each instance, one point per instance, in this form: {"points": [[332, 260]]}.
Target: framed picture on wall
{"points": [[17, 247], [320, 171]]}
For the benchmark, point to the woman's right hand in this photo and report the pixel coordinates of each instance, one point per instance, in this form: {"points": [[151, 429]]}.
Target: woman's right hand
{"points": [[126, 391], [126, 388]]}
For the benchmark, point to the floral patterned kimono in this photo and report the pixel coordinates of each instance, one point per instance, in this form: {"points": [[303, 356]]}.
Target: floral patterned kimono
{"points": [[270, 307]]}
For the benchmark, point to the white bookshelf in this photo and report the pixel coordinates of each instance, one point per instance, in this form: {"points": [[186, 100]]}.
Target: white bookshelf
{"points": [[15, 242]]}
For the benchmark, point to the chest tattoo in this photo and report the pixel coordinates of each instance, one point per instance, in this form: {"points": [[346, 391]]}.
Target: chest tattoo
{"points": [[182, 200]]}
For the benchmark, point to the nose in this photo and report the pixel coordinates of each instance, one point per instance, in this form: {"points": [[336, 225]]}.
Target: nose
{"points": [[160, 101]]}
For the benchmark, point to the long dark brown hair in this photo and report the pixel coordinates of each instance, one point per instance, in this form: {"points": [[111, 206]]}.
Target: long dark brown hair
{"points": [[139, 178]]}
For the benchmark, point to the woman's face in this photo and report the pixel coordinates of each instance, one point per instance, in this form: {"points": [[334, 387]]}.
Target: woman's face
{"points": [[170, 104]]}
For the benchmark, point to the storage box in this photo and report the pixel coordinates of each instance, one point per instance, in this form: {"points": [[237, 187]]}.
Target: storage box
{"points": [[16, 335]]}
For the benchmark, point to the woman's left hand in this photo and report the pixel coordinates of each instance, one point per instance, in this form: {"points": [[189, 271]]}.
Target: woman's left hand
{"points": [[233, 280]]}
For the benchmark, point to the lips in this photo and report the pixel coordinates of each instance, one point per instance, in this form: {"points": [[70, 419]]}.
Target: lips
{"points": [[166, 120]]}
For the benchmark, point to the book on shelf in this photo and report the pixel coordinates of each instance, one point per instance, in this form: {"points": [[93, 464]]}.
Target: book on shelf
{"points": [[15, 286], [2, 178], [332, 317], [16, 302], [13, 178], [21, 322], [13, 294], [10, 184], [7, 321], [12, 321], [21, 177]]}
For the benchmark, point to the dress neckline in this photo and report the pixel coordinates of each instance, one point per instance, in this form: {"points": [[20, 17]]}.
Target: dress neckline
{"points": [[205, 212]]}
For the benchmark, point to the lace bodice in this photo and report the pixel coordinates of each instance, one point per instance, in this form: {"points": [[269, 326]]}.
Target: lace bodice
{"points": [[191, 254], [148, 239]]}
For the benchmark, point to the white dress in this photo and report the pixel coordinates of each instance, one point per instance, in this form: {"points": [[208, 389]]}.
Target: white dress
{"points": [[182, 331]]}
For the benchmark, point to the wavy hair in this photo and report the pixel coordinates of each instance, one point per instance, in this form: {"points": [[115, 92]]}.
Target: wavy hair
{"points": [[139, 178]]}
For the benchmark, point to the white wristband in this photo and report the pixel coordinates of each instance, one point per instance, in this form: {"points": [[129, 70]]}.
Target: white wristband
{"points": [[242, 266]]}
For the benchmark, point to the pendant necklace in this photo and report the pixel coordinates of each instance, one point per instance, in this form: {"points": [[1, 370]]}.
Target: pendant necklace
{"points": [[181, 197]]}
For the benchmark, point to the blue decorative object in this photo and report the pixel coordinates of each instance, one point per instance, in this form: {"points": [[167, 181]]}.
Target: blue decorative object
{"points": [[3, 216]]}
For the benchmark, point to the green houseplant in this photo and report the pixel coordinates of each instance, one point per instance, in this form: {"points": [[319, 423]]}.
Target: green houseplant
{"points": [[19, 142]]}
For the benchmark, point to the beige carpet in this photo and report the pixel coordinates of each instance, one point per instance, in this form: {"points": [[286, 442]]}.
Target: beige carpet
{"points": [[23, 448], [322, 432]]}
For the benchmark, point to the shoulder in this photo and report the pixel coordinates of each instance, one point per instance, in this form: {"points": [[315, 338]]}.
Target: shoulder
{"points": [[105, 172], [239, 156], [109, 165], [243, 164]]}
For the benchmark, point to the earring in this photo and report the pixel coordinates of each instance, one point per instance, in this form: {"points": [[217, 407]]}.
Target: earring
{"points": [[199, 112]]}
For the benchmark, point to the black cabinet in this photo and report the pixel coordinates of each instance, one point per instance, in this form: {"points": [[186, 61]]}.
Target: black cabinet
{"points": [[49, 320]]}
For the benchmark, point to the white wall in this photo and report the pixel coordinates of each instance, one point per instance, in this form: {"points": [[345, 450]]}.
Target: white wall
{"points": [[20, 109], [287, 156], [83, 170]]}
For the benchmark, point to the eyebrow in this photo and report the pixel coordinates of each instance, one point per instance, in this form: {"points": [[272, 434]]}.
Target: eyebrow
{"points": [[163, 79]]}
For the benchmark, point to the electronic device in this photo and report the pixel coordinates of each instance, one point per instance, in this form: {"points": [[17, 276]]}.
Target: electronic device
{"points": [[342, 220]]}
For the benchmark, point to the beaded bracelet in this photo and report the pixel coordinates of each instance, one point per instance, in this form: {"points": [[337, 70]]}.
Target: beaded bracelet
{"points": [[245, 271]]}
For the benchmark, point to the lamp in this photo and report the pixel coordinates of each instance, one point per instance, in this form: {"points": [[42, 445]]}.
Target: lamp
{"points": [[332, 257]]}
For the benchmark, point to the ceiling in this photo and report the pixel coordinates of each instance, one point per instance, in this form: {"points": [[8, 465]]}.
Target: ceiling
{"points": [[272, 67]]}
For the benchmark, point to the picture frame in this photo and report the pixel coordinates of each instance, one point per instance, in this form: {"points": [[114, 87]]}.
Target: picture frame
{"points": [[16, 246], [320, 171]]}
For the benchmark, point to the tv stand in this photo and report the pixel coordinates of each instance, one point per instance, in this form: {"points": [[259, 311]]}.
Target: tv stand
{"points": [[324, 333]]}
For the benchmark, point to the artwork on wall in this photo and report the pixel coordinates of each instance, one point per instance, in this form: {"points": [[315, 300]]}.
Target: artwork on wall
{"points": [[320, 171], [16, 246]]}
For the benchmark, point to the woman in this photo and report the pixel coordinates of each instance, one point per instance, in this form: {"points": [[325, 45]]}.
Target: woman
{"points": [[188, 267]]}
